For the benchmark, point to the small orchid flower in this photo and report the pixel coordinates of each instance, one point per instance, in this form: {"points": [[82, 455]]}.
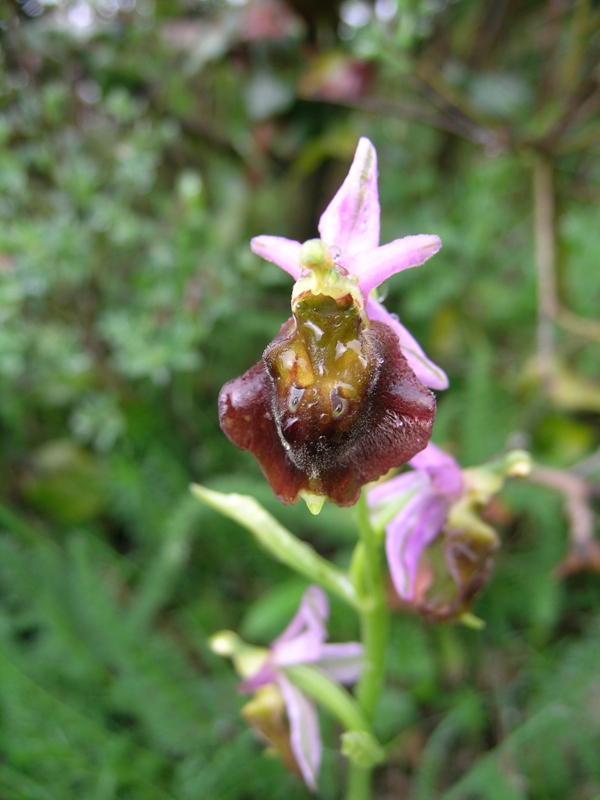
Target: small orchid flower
{"points": [[432, 488], [441, 503], [302, 642], [340, 395]]}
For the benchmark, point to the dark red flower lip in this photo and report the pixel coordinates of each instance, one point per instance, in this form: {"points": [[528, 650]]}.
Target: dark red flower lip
{"points": [[390, 423]]}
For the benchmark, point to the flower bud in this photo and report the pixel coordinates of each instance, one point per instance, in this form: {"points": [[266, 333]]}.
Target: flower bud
{"points": [[315, 254]]}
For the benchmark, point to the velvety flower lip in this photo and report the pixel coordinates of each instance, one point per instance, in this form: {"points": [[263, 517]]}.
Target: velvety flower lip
{"points": [[435, 486], [392, 421], [350, 226], [304, 642]]}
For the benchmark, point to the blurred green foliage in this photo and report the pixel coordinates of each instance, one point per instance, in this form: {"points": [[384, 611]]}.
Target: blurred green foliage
{"points": [[141, 145]]}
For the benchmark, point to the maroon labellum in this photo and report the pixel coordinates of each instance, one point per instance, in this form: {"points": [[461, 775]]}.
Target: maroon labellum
{"points": [[332, 405]]}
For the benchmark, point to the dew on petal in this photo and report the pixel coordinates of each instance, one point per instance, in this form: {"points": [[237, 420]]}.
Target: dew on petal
{"points": [[316, 330], [339, 404], [294, 399]]}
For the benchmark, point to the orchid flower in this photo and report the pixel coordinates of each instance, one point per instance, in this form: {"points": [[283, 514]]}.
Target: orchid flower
{"points": [[432, 488], [439, 499], [340, 395], [302, 642]]}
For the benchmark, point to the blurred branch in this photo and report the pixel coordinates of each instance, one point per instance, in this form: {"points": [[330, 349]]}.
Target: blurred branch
{"points": [[582, 140], [545, 259], [578, 37], [455, 123], [481, 127], [586, 328], [582, 102], [584, 548], [200, 128], [587, 467]]}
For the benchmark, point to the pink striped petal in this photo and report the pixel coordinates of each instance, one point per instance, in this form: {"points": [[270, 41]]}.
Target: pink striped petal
{"points": [[375, 266], [310, 618], [265, 675], [301, 649], [427, 372], [305, 736], [408, 534], [398, 486], [283, 252], [342, 662], [351, 220], [446, 474]]}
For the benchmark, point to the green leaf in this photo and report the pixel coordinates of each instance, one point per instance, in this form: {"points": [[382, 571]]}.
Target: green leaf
{"points": [[278, 541]]}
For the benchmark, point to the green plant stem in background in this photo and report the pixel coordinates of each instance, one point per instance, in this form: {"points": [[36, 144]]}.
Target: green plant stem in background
{"points": [[329, 694], [368, 577]]}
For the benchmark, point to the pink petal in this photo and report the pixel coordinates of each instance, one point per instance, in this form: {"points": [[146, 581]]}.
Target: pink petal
{"points": [[351, 220], [265, 675], [401, 484], [375, 266], [445, 471], [427, 372], [408, 534], [310, 618], [342, 662], [283, 252], [301, 649], [305, 737]]}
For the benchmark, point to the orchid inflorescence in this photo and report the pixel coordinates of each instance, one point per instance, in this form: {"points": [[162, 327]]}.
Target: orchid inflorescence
{"points": [[340, 398], [265, 672]]}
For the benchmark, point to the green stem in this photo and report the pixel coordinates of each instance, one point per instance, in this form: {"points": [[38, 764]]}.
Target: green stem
{"points": [[368, 576], [374, 615], [359, 783], [329, 694]]}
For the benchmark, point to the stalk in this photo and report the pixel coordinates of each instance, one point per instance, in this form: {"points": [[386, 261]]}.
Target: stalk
{"points": [[368, 576]]}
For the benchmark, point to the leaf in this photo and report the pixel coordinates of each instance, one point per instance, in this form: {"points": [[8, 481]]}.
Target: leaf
{"points": [[278, 541]]}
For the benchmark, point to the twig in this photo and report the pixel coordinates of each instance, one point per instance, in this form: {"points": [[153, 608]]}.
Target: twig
{"points": [[586, 328], [447, 98], [584, 548], [545, 259], [589, 466], [455, 123]]}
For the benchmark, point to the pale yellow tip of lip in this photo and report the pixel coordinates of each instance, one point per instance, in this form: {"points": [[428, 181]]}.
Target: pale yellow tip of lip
{"points": [[471, 621], [314, 502], [315, 254], [519, 464], [223, 643]]}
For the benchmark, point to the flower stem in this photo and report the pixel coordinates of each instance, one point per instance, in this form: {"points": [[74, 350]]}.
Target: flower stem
{"points": [[359, 783], [329, 694], [368, 576], [374, 615]]}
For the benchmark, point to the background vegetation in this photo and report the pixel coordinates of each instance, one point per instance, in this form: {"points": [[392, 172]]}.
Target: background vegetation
{"points": [[141, 145]]}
